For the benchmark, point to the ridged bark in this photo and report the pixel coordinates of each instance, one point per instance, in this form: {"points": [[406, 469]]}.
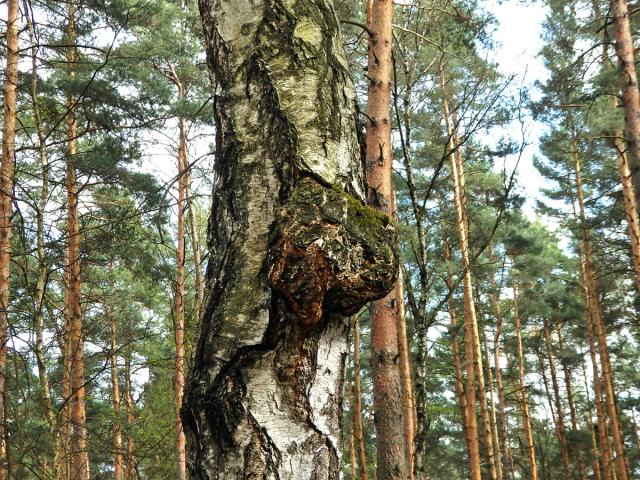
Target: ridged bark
{"points": [[390, 422], [6, 212], [293, 251], [628, 85]]}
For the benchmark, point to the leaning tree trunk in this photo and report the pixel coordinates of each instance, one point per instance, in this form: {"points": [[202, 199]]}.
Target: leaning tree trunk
{"points": [[293, 249], [6, 195]]}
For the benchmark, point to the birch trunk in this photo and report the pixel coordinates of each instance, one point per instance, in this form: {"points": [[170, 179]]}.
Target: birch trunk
{"points": [[6, 212], [293, 250]]}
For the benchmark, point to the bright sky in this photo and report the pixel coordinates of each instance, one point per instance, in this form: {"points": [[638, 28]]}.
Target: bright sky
{"points": [[519, 35]]}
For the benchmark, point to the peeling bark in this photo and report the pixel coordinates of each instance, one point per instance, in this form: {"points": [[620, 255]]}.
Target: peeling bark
{"points": [[264, 397]]}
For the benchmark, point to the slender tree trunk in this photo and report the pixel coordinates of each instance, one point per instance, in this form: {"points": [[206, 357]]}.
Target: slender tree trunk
{"points": [[178, 308], [524, 404], [561, 430], [264, 396], [492, 410], [470, 323], [352, 438], [473, 354], [115, 400], [6, 212], [507, 460], [195, 244], [391, 438], [634, 424], [629, 85], [594, 444], [73, 307], [357, 406], [572, 407], [130, 472], [455, 353], [598, 324]]}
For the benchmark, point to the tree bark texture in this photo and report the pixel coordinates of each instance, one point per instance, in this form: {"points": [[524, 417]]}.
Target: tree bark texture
{"points": [[293, 249], [628, 84], [118, 458], [392, 448], [6, 211], [73, 306], [357, 405]]}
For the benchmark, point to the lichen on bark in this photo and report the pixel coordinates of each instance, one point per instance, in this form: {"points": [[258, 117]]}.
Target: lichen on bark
{"points": [[264, 395]]}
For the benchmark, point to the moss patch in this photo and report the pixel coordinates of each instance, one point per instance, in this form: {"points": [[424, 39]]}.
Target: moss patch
{"points": [[330, 253]]}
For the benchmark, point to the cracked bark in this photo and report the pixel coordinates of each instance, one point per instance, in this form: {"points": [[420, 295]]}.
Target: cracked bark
{"points": [[293, 251]]}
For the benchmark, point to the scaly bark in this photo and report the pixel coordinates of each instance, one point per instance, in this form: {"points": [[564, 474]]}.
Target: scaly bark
{"points": [[357, 406], [524, 404], [178, 306], [629, 87], [294, 252], [73, 307], [392, 445], [6, 212]]}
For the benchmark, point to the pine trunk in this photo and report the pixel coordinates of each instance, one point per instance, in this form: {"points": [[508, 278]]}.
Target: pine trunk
{"points": [[6, 213], [73, 307], [264, 396], [598, 325], [130, 471], [115, 400], [391, 435], [492, 410], [560, 427], [572, 406], [470, 323], [629, 87], [524, 405], [455, 353], [505, 450], [178, 306]]}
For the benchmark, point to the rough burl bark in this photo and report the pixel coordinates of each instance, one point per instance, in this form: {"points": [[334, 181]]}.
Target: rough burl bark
{"points": [[293, 249]]}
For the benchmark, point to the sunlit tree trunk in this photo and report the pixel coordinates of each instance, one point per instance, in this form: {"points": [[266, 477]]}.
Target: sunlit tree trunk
{"points": [[352, 439], [524, 404], [629, 86], [6, 212], [492, 410], [507, 460], [357, 404], [178, 306], [470, 323], [290, 260], [598, 325], [73, 307], [455, 353], [391, 442]]}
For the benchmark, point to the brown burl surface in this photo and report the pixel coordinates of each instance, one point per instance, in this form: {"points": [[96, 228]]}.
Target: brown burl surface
{"points": [[330, 253]]}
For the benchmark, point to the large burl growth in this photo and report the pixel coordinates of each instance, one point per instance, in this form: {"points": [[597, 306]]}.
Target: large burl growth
{"points": [[331, 253]]}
